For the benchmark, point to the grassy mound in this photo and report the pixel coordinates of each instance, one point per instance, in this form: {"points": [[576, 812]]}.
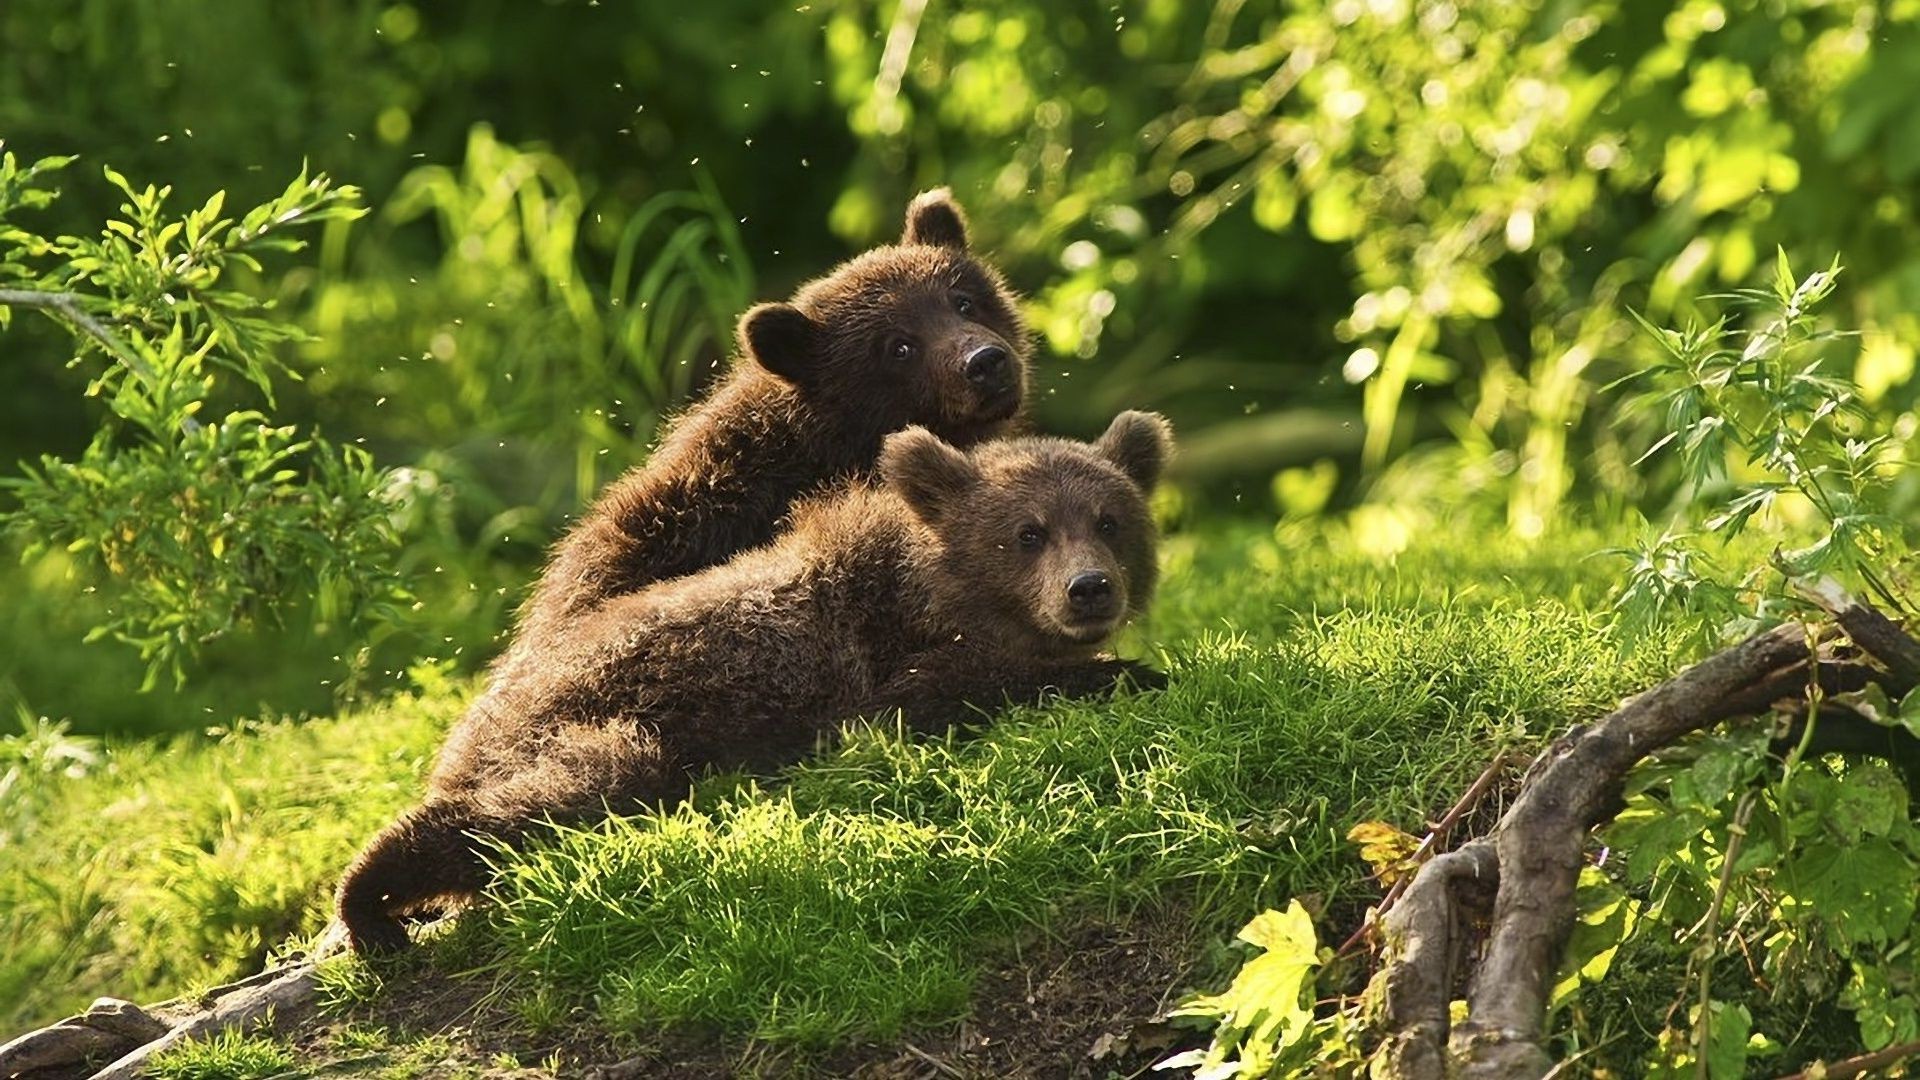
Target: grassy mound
{"points": [[1313, 687]]}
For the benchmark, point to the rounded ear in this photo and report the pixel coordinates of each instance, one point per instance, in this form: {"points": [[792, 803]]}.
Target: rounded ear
{"points": [[933, 218], [925, 471], [781, 339], [1140, 443]]}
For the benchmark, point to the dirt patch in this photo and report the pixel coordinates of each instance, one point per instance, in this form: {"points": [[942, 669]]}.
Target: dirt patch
{"points": [[1082, 1005]]}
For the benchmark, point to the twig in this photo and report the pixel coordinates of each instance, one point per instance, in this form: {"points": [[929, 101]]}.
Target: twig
{"points": [[1703, 1024], [941, 1066], [1855, 1066], [1441, 829], [66, 305]]}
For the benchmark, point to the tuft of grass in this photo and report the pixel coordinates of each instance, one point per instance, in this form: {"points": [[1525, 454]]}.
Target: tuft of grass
{"points": [[229, 1055], [858, 900]]}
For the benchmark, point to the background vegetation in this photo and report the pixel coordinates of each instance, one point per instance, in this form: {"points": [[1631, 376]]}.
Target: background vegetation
{"points": [[1383, 262]]}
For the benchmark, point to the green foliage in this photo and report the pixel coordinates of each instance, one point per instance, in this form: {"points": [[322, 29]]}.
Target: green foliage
{"points": [[555, 328], [230, 1055], [1800, 873], [1766, 433], [196, 525], [1754, 894]]}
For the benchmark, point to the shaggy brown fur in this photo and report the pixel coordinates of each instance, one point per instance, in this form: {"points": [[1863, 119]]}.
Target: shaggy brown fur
{"points": [[915, 333], [965, 578]]}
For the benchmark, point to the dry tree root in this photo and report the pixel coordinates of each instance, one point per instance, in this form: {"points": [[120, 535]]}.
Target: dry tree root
{"points": [[1520, 879], [108, 1029], [128, 1036]]}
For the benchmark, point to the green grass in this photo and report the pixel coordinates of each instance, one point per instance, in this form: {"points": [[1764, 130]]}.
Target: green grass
{"points": [[857, 900], [166, 866], [1313, 687], [229, 1055]]}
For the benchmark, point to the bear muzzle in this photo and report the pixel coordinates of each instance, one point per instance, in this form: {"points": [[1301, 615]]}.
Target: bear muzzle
{"points": [[1093, 607]]}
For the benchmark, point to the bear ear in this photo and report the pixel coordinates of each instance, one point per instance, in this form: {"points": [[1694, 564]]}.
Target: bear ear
{"points": [[1140, 443], [781, 339], [925, 471], [933, 218]]}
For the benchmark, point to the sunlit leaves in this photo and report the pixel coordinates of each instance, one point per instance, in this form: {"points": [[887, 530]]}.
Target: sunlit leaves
{"points": [[1751, 414], [1386, 849], [1818, 902], [198, 528], [1265, 1018]]}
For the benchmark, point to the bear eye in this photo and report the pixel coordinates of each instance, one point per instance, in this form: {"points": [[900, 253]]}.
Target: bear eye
{"points": [[1106, 525], [903, 350], [1032, 537], [963, 303]]}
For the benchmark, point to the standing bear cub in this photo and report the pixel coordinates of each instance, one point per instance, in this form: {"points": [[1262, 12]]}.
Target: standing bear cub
{"points": [[961, 578], [919, 332]]}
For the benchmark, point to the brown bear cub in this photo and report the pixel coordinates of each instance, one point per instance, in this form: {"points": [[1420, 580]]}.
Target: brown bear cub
{"points": [[919, 332], [959, 578]]}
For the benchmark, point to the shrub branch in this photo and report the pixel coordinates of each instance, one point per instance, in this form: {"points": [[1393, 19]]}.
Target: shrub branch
{"points": [[66, 305]]}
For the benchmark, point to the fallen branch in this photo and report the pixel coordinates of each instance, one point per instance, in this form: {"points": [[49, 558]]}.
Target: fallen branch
{"points": [[1857, 1066], [1874, 634], [107, 1030], [1531, 862], [1571, 788], [244, 1010], [1424, 934]]}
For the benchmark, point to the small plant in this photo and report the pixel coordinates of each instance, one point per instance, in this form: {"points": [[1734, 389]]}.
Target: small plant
{"points": [[201, 521], [1762, 429], [1265, 1024]]}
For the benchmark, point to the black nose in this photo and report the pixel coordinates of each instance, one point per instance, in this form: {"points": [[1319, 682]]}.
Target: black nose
{"points": [[988, 364], [1090, 592]]}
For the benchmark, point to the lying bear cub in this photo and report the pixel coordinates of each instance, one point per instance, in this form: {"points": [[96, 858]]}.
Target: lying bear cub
{"points": [[919, 332], [959, 579]]}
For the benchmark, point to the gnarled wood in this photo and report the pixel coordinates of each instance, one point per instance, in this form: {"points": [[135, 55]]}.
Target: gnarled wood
{"points": [[105, 1031], [1536, 853], [1424, 934], [1874, 634]]}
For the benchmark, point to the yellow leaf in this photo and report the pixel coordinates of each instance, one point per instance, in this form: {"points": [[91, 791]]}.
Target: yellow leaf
{"points": [[1384, 848]]}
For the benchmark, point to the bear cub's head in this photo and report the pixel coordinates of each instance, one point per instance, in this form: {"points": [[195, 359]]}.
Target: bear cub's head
{"points": [[1045, 545], [918, 332]]}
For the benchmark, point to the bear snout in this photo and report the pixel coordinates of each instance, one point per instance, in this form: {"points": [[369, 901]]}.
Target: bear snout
{"points": [[1090, 596], [987, 368]]}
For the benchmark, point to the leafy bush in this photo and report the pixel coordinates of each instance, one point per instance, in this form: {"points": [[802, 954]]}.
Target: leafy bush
{"points": [[197, 525]]}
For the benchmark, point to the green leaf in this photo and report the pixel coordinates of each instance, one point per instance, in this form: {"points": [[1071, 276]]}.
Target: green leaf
{"points": [[1865, 891], [1727, 1040], [1268, 1006]]}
